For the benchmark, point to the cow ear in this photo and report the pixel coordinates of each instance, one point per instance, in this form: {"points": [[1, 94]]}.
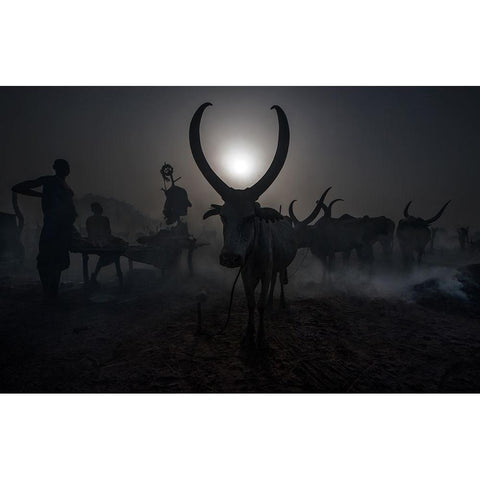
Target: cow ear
{"points": [[210, 213], [214, 211]]}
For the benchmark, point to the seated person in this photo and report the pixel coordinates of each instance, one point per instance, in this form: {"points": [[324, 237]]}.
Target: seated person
{"points": [[98, 227], [100, 235]]}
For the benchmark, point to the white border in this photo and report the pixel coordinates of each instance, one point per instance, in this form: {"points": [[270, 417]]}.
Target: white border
{"points": [[239, 436], [241, 43], [251, 42]]}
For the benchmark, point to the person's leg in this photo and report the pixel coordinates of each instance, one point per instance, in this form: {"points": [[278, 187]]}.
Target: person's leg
{"points": [[54, 282], [43, 279]]}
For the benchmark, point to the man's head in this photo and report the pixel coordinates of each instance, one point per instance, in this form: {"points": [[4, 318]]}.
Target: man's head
{"points": [[96, 208], [61, 167]]}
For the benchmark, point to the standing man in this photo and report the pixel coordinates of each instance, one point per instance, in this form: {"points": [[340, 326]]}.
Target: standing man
{"points": [[58, 217]]}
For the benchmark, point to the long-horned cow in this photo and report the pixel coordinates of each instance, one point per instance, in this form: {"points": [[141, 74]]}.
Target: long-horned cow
{"points": [[305, 234], [258, 240], [328, 235], [413, 234]]}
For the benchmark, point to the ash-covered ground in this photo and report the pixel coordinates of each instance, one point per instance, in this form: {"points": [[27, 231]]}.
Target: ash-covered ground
{"points": [[385, 332]]}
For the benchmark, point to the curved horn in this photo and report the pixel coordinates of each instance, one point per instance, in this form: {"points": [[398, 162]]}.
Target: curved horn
{"points": [[18, 213], [314, 213], [329, 208], [405, 210], [196, 147], [279, 158], [324, 194], [438, 215], [291, 214], [322, 199]]}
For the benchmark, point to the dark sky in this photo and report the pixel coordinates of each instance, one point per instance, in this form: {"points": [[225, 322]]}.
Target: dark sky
{"points": [[378, 147]]}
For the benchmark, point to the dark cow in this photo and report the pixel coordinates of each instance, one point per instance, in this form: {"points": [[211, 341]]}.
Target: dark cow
{"points": [[413, 235], [258, 240]]}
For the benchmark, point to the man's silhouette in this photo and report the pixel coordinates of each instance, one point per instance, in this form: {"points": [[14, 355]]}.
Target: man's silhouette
{"points": [[58, 217]]}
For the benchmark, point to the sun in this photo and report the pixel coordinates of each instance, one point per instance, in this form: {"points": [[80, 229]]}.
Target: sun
{"points": [[239, 165]]}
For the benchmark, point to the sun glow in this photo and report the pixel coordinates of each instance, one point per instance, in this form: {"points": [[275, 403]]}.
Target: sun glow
{"points": [[240, 165]]}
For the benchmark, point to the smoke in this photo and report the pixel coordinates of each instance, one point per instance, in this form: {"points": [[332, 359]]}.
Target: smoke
{"points": [[382, 281]]}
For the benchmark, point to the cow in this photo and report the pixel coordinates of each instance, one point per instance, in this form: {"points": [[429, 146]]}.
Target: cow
{"points": [[414, 234], [342, 235], [374, 229], [305, 233], [11, 246], [260, 241], [328, 235]]}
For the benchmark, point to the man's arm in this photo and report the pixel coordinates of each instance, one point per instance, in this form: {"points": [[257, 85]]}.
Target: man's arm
{"points": [[26, 188]]}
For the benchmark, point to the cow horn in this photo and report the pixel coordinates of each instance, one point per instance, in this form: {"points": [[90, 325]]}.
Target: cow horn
{"points": [[438, 215], [314, 213], [279, 158], [195, 145], [330, 205], [322, 199], [405, 210], [292, 215]]}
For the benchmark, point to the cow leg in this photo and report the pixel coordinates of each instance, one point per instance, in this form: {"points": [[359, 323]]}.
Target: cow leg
{"points": [[283, 282], [367, 260], [331, 262], [261, 310], [388, 249], [326, 273], [249, 287], [420, 256], [272, 289]]}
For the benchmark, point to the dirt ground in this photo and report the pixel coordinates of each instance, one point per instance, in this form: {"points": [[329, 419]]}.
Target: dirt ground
{"points": [[146, 339]]}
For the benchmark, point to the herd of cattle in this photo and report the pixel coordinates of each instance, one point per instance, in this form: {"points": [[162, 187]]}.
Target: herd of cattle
{"points": [[263, 242]]}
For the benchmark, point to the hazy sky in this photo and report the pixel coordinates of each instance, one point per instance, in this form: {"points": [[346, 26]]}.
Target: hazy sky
{"points": [[378, 147]]}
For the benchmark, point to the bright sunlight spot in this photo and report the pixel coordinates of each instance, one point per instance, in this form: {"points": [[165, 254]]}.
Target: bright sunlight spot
{"points": [[240, 165]]}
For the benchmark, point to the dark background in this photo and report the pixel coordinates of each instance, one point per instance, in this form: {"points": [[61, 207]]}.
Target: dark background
{"points": [[379, 147]]}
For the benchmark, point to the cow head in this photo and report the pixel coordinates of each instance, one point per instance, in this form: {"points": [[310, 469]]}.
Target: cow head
{"points": [[301, 227], [240, 211], [421, 221]]}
